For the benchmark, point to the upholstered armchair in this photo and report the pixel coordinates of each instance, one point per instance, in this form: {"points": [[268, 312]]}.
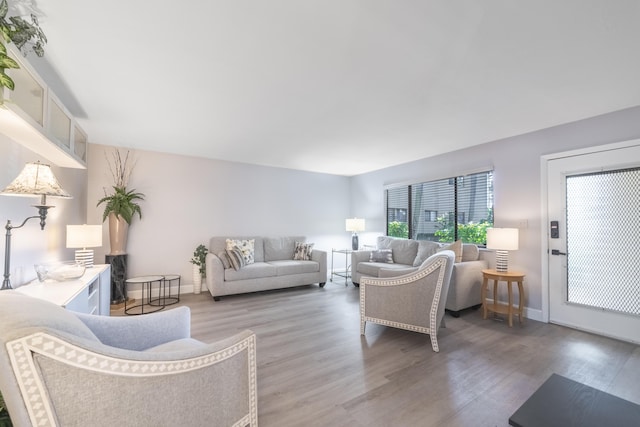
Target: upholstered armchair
{"points": [[60, 368], [414, 301]]}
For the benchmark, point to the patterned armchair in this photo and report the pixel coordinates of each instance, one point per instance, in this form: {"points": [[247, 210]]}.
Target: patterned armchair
{"points": [[414, 301], [60, 368]]}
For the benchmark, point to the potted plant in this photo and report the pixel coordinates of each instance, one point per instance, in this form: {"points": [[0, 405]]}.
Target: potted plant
{"points": [[199, 268], [120, 206], [21, 32]]}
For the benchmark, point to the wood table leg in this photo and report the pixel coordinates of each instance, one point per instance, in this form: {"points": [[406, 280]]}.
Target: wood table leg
{"points": [[510, 308], [483, 297]]}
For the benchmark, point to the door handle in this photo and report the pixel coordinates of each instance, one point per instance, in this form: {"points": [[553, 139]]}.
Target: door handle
{"points": [[557, 252]]}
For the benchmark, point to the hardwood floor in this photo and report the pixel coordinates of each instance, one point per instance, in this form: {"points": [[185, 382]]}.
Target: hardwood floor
{"points": [[314, 368]]}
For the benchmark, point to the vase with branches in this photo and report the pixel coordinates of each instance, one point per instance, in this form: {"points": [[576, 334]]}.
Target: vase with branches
{"points": [[121, 205]]}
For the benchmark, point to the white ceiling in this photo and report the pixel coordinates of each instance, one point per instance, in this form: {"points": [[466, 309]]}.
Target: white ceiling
{"points": [[337, 86]]}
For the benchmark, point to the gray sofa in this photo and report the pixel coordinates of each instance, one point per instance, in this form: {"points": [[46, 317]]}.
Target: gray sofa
{"points": [[466, 278], [273, 267], [60, 368]]}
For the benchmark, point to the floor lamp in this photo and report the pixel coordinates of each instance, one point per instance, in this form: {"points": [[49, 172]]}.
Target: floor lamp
{"points": [[36, 179]]}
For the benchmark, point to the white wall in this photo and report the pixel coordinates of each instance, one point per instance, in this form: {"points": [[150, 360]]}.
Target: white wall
{"points": [[29, 244], [516, 162], [189, 199]]}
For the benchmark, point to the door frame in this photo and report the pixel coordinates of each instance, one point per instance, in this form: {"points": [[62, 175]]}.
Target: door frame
{"points": [[544, 213]]}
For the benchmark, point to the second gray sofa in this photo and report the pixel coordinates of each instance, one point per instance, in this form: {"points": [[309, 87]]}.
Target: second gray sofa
{"points": [[408, 254]]}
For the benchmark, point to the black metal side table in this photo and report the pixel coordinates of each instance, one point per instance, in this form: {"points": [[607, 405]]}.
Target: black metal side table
{"points": [[146, 283]]}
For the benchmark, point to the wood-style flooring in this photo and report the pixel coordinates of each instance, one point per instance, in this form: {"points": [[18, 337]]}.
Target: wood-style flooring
{"points": [[314, 368]]}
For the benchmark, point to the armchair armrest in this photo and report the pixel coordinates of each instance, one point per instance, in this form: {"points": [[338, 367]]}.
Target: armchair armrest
{"points": [[140, 332], [217, 383]]}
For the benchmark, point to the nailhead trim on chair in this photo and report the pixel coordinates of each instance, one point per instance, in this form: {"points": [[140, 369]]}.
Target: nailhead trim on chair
{"points": [[33, 391], [433, 312]]}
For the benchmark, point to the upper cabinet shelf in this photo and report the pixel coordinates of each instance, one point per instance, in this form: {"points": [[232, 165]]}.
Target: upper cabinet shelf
{"points": [[33, 116]]}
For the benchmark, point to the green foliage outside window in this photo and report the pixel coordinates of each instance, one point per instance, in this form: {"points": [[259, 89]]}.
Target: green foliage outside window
{"points": [[398, 229], [472, 232]]}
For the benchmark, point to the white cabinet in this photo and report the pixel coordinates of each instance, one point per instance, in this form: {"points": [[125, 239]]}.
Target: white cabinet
{"points": [[34, 116], [89, 294]]}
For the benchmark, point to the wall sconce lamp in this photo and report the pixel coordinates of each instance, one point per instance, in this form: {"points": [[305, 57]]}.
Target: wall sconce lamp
{"points": [[502, 240], [36, 179], [354, 225], [83, 237]]}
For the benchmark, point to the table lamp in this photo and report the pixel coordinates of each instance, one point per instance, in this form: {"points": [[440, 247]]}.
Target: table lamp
{"points": [[502, 240], [82, 237], [354, 225], [36, 179]]}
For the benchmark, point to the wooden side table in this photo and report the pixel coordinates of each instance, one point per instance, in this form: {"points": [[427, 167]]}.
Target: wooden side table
{"points": [[501, 276]]}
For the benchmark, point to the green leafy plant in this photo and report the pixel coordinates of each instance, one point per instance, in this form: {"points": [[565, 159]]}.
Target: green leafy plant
{"points": [[398, 229], [199, 257], [472, 232], [22, 33], [122, 202]]}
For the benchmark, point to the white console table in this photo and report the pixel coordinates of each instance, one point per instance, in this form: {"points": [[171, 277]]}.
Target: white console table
{"points": [[89, 294]]}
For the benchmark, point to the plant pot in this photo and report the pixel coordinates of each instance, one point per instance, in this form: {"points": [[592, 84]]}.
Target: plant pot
{"points": [[197, 279], [118, 230]]}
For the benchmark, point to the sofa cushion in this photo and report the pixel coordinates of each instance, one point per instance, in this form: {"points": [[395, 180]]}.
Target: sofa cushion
{"points": [[372, 268], [252, 271], [302, 251], [224, 258], [235, 258], [456, 247], [404, 250], [470, 252], [219, 243], [426, 248], [286, 267], [279, 248], [382, 255], [245, 246]]}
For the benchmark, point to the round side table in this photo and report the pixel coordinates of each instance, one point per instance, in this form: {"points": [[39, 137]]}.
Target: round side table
{"points": [[510, 277], [147, 287], [168, 279]]}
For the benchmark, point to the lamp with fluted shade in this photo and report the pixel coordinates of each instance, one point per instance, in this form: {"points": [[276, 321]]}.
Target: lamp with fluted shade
{"points": [[502, 240], [82, 237], [354, 225], [36, 179]]}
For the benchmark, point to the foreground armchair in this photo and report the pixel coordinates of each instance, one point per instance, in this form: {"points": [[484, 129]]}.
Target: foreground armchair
{"points": [[60, 368], [413, 301]]}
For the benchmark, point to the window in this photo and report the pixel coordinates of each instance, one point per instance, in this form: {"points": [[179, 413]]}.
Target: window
{"points": [[430, 216], [444, 210]]}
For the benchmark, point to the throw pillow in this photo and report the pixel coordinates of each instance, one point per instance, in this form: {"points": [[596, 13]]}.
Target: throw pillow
{"points": [[246, 248], [303, 251], [456, 247], [382, 255], [225, 259], [235, 258]]}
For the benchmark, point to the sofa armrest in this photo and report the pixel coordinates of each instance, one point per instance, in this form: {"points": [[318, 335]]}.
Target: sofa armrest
{"points": [[140, 332], [320, 257], [214, 273]]}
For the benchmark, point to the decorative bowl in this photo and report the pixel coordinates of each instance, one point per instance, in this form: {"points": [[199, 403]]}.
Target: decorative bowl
{"points": [[60, 271]]}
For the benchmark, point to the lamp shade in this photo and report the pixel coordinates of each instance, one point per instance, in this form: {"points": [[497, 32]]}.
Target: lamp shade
{"points": [[354, 224], [84, 236], [504, 239], [36, 179]]}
